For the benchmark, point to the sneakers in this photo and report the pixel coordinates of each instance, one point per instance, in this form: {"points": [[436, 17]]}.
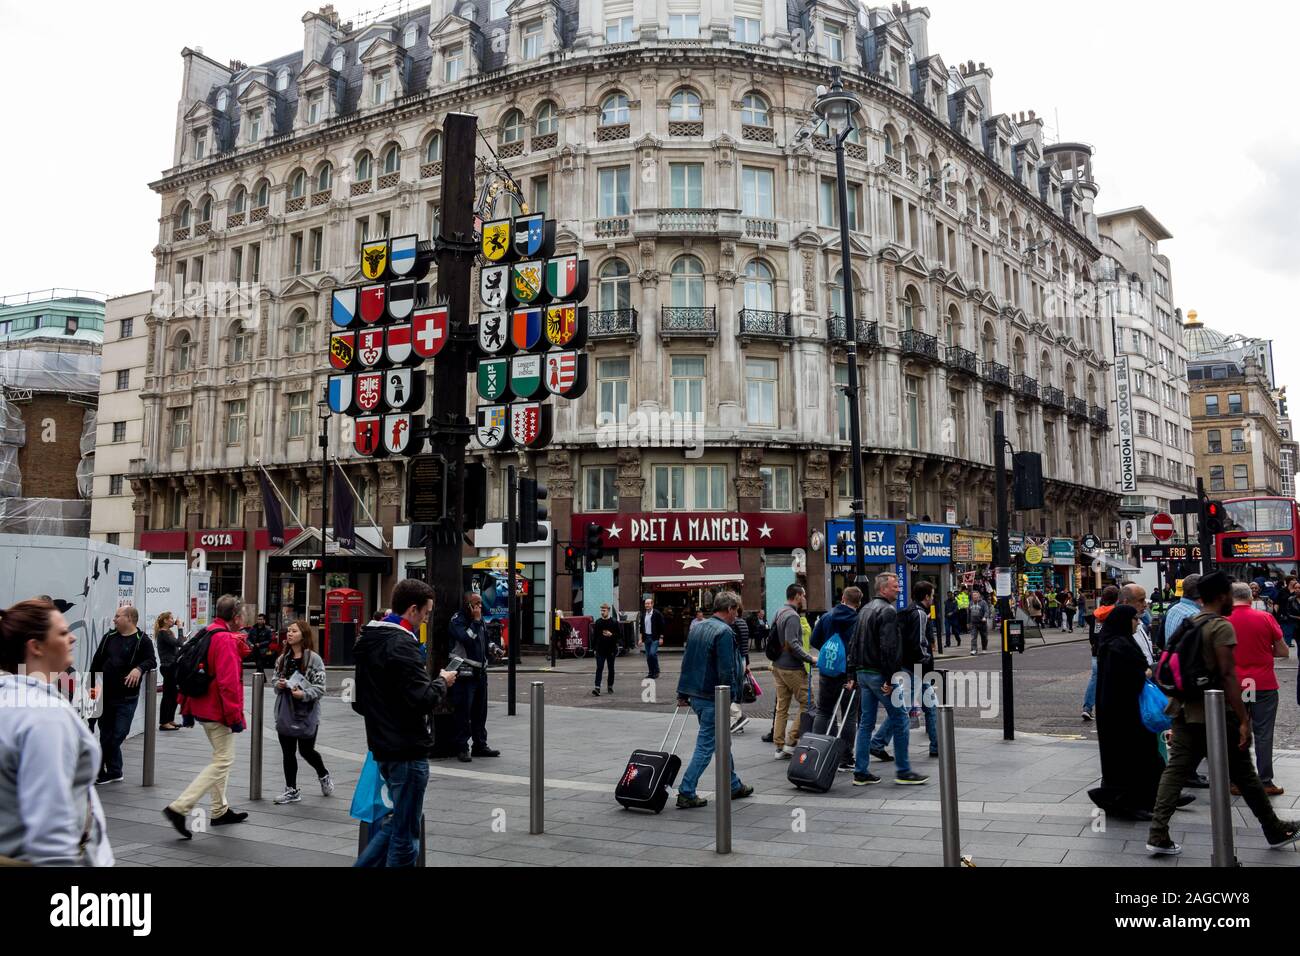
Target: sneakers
{"points": [[1086, 715], [610, 692], [104, 779], [290, 795], [230, 816], [1184, 800], [1289, 834], [881, 754], [783, 754], [864, 779], [845, 767], [767, 737], [1163, 847], [742, 793], [911, 779], [974, 653], [326, 785], [738, 727], [595, 692], [690, 803], [177, 819]]}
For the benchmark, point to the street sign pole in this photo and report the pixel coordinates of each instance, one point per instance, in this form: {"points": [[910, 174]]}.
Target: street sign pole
{"points": [[1003, 561], [512, 550]]}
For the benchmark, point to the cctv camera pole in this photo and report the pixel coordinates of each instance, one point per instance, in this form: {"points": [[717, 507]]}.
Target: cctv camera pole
{"points": [[1003, 561], [512, 581]]}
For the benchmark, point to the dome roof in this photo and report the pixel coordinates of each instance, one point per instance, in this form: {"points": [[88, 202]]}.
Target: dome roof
{"points": [[1201, 340]]}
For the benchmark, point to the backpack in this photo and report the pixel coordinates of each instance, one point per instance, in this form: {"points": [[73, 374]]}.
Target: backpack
{"points": [[774, 646], [831, 659], [1157, 631], [1181, 672], [193, 674]]}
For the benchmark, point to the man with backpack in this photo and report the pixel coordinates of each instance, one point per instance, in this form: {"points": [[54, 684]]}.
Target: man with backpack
{"points": [[210, 689], [1199, 658], [785, 651], [123, 657], [831, 638], [918, 650]]}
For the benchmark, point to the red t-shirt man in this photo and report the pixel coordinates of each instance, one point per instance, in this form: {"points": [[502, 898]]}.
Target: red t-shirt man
{"points": [[1257, 632]]}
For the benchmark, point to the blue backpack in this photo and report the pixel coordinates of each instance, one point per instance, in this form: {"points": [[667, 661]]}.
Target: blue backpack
{"points": [[831, 657]]}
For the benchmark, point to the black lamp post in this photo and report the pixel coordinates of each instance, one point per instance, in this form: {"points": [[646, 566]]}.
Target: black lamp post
{"points": [[324, 413], [837, 108]]}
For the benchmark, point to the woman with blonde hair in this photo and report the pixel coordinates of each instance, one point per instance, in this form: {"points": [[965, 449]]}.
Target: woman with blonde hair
{"points": [[168, 644], [299, 684]]}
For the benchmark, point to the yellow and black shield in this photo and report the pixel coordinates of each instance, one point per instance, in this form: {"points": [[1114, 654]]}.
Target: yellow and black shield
{"points": [[496, 239], [374, 259]]}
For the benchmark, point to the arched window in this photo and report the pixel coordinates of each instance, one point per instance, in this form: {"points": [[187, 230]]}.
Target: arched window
{"points": [[241, 344], [433, 148], [952, 328], [687, 283], [297, 184], [837, 294], [392, 159], [183, 216], [512, 128], [205, 209], [989, 343], [362, 167], [911, 156], [615, 286], [760, 288], [1071, 382], [411, 35], [282, 80], [754, 110], [614, 111], [1092, 389], [548, 119], [1018, 356], [238, 200], [685, 106], [262, 195], [300, 332], [913, 318], [891, 139], [1045, 369], [324, 177], [338, 60], [183, 350]]}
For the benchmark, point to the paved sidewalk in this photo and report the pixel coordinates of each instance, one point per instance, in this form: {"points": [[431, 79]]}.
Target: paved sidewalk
{"points": [[1022, 803]]}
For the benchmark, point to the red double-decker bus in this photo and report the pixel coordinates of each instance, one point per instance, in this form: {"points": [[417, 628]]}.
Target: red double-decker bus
{"points": [[1264, 540]]}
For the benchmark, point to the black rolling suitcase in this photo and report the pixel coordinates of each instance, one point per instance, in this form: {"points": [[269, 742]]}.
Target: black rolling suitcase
{"points": [[817, 758], [644, 784]]}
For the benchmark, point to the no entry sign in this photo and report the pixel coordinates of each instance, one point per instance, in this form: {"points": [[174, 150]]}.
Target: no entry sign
{"points": [[1162, 527]]}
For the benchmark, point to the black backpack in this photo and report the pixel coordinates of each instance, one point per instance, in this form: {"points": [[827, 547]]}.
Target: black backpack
{"points": [[774, 646], [1181, 672], [193, 673]]}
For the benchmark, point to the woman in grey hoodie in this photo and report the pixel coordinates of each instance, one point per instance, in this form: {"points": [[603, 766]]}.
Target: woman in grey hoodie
{"points": [[50, 814], [299, 684]]}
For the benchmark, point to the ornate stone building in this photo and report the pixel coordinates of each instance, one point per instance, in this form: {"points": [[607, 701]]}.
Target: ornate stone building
{"points": [[674, 143]]}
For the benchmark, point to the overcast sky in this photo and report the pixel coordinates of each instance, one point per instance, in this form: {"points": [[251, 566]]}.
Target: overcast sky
{"points": [[1190, 111]]}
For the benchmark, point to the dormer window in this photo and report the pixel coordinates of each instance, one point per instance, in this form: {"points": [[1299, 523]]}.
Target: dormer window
{"points": [[223, 100], [315, 104], [381, 86], [200, 144], [254, 126], [499, 10], [339, 60], [411, 36], [972, 122], [282, 80], [452, 64], [834, 41], [532, 40], [684, 26]]}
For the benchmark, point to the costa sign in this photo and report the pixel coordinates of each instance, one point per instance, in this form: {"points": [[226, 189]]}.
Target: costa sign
{"points": [[696, 529], [221, 540]]}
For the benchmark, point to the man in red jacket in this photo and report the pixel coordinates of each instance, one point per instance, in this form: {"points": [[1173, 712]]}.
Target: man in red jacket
{"points": [[221, 712]]}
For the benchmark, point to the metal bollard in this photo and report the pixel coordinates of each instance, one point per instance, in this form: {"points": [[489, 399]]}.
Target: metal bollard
{"points": [[722, 766], [948, 786], [1222, 852], [537, 757], [150, 727], [255, 728]]}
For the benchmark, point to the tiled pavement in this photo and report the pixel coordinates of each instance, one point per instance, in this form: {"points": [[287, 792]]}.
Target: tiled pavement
{"points": [[1022, 804]]}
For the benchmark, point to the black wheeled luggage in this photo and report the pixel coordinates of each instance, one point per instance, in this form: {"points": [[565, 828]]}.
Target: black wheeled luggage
{"points": [[649, 774], [817, 757]]}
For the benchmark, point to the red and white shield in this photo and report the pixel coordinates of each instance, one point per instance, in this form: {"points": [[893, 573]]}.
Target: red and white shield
{"points": [[370, 347], [561, 372], [372, 304], [370, 391], [429, 331], [365, 437], [397, 433], [398, 343], [526, 423]]}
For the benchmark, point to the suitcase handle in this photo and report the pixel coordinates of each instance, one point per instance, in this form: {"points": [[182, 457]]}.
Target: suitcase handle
{"points": [[671, 719], [843, 718]]}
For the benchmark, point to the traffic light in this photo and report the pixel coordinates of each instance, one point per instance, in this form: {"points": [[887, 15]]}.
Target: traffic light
{"points": [[570, 559], [595, 549], [1214, 517], [1027, 480], [531, 510], [475, 496]]}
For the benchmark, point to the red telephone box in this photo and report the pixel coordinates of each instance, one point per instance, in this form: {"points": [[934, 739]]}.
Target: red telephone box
{"points": [[343, 610]]}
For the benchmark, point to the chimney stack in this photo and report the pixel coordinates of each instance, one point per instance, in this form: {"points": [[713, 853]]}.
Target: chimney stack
{"points": [[318, 31]]}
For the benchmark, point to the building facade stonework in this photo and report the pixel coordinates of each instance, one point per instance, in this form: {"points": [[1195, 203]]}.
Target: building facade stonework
{"points": [[678, 152]]}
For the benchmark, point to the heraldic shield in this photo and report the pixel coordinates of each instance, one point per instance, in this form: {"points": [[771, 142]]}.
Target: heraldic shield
{"points": [[374, 259], [526, 286], [370, 391], [566, 278], [370, 347], [403, 433], [496, 240], [404, 388], [372, 303], [493, 380], [492, 426], [492, 282], [397, 344], [526, 328], [365, 435], [566, 326], [530, 236], [429, 330], [342, 350], [526, 376], [403, 256], [530, 425], [339, 390], [494, 333], [343, 311], [401, 300], [565, 373]]}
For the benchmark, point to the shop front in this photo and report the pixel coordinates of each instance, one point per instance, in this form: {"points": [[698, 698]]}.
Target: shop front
{"points": [[972, 557], [879, 551], [928, 550], [294, 577], [1062, 553], [233, 556]]}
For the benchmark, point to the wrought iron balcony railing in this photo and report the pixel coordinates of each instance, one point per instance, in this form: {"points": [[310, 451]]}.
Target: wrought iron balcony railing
{"points": [[1053, 397], [1076, 408], [689, 321], [997, 374], [963, 360], [919, 343], [613, 323], [1097, 415], [1026, 386], [766, 324], [868, 333]]}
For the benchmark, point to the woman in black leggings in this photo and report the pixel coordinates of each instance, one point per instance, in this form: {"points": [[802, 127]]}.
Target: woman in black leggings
{"points": [[299, 684]]}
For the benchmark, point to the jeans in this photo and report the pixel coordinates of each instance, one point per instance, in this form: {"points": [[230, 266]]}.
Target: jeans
{"points": [[469, 700], [1288, 632], [1186, 751], [954, 631], [396, 841], [1263, 714], [981, 630], [290, 747], [871, 687], [114, 725], [882, 736], [1090, 695], [601, 661], [705, 744], [651, 659]]}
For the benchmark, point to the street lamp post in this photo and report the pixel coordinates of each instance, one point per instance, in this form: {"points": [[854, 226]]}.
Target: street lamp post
{"points": [[837, 108], [324, 414]]}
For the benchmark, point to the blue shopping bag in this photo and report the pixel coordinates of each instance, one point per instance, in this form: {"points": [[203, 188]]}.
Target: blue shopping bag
{"points": [[370, 801], [1153, 703], [831, 657]]}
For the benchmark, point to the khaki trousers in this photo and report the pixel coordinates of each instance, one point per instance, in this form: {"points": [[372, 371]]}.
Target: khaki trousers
{"points": [[790, 685], [214, 776]]}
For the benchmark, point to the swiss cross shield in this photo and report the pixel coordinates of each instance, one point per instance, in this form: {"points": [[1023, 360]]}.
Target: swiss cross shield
{"points": [[526, 375], [562, 276], [372, 303], [365, 435], [493, 334], [401, 299], [370, 391], [343, 310], [429, 331], [397, 343], [402, 255], [493, 379], [370, 347], [492, 426], [565, 373], [342, 350], [530, 425], [492, 286]]}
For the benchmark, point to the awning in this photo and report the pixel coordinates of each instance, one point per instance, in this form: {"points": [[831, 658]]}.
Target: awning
{"points": [[685, 570], [303, 554], [1118, 564]]}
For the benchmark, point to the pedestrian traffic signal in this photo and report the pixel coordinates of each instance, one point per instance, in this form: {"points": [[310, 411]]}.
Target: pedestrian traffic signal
{"points": [[531, 510], [1214, 517], [1027, 480], [474, 501], [595, 550], [570, 559]]}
